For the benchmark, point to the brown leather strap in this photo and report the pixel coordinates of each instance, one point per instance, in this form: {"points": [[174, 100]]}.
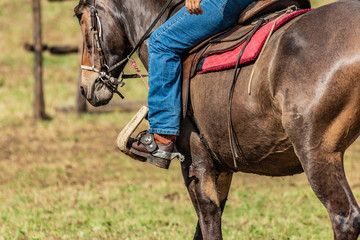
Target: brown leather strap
{"points": [[147, 139], [234, 142]]}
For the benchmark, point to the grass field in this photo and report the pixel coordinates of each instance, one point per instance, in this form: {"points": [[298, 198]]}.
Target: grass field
{"points": [[65, 179]]}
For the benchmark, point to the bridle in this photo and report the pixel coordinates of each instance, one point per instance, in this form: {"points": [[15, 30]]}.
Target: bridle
{"points": [[105, 72]]}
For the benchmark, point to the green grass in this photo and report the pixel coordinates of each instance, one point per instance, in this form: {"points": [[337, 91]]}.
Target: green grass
{"points": [[65, 179]]}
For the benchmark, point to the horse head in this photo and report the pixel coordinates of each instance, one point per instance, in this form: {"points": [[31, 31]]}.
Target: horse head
{"points": [[104, 45]]}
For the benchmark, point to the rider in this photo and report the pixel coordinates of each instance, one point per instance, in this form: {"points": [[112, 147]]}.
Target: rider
{"points": [[195, 22]]}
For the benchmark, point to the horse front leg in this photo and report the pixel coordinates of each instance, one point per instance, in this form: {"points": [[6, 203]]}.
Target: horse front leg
{"points": [[200, 178], [223, 183]]}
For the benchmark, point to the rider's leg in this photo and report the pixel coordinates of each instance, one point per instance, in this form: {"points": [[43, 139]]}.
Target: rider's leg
{"points": [[166, 44], [180, 33]]}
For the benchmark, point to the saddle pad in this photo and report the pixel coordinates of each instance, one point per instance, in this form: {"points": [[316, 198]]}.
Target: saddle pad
{"points": [[228, 59]]}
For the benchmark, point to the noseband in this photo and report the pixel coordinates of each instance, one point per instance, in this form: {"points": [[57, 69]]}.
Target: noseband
{"points": [[105, 71]]}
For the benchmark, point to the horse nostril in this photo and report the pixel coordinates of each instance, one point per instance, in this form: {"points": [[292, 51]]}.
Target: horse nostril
{"points": [[82, 90]]}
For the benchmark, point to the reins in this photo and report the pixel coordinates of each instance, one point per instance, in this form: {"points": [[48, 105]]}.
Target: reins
{"points": [[105, 71]]}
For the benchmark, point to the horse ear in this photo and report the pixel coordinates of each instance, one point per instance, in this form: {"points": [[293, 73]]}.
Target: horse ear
{"points": [[77, 10], [83, 2]]}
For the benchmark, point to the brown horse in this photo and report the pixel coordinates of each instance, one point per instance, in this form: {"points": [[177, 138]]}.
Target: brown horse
{"points": [[303, 113]]}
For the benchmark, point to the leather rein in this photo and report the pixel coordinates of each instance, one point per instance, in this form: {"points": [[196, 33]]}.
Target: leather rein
{"points": [[105, 72]]}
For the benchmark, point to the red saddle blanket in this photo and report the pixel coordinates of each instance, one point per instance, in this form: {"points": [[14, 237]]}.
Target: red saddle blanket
{"points": [[228, 59]]}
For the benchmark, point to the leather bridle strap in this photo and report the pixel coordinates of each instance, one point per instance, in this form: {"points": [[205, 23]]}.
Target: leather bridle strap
{"points": [[97, 34]]}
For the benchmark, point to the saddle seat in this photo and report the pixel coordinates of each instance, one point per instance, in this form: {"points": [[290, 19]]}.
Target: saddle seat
{"points": [[233, 37]]}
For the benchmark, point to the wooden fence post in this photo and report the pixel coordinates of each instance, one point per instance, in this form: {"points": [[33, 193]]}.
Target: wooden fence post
{"points": [[39, 103]]}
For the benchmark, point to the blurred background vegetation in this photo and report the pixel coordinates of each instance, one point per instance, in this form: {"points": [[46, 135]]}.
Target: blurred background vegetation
{"points": [[65, 179]]}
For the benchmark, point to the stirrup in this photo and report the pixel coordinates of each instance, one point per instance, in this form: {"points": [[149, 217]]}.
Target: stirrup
{"points": [[160, 159]]}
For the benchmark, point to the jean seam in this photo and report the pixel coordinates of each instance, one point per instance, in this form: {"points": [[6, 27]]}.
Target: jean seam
{"points": [[162, 131]]}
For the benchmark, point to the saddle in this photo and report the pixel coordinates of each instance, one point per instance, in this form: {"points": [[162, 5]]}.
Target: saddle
{"points": [[233, 37]]}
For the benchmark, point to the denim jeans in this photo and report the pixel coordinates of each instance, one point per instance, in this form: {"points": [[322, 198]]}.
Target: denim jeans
{"points": [[177, 35]]}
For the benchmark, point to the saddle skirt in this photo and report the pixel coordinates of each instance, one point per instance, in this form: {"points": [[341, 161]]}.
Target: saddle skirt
{"points": [[221, 51]]}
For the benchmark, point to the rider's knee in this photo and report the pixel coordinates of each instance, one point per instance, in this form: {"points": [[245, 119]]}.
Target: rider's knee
{"points": [[158, 43]]}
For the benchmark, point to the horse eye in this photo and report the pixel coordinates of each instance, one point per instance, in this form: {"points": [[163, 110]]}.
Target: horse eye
{"points": [[78, 15]]}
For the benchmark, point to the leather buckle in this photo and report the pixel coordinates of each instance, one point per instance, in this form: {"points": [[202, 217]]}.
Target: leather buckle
{"points": [[149, 142]]}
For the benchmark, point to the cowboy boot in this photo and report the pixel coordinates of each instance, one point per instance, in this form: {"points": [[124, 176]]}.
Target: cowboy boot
{"points": [[154, 148]]}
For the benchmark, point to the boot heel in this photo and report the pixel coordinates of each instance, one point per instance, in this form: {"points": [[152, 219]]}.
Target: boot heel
{"points": [[159, 162]]}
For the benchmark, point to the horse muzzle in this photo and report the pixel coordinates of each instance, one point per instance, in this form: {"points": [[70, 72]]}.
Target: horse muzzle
{"points": [[95, 92]]}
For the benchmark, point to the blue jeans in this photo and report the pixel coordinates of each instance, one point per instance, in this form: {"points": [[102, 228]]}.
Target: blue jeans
{"points": [[177, 35]]}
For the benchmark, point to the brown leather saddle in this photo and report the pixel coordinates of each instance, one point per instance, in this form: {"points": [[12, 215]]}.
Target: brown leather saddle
{"points": [[232, 37]]}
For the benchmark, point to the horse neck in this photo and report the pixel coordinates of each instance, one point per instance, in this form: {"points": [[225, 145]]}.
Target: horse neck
{"points": [[136, 17]]}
